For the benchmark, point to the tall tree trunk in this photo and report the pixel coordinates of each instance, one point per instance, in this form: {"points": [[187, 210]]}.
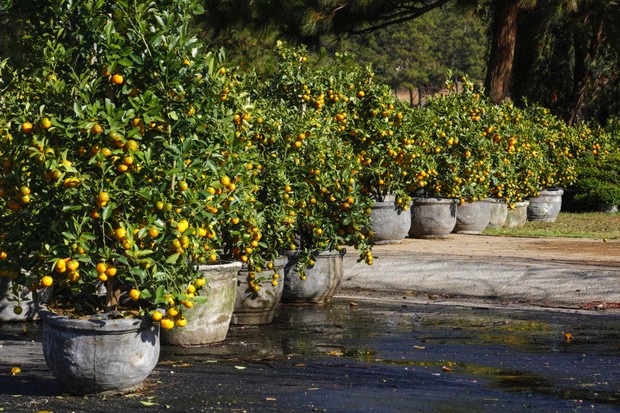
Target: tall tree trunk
{"points": [[503, 43], [584, 55]]}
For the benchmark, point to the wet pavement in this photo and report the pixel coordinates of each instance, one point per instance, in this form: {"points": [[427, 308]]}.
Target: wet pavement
{"points": [[363, 353]]}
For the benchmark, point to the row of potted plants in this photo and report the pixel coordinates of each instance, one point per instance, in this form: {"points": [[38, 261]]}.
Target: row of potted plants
{"points": [[134, 159]]}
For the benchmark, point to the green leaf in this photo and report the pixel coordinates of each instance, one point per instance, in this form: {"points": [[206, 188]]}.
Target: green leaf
{"points": [[125, 62], [173, 258]]}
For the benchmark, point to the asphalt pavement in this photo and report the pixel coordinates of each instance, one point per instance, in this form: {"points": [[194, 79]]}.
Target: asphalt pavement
{"points": [[462, 324], [549, 272]]}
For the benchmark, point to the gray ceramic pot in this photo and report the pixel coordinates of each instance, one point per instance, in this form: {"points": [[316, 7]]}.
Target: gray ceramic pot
{"points": [[99, 355]]}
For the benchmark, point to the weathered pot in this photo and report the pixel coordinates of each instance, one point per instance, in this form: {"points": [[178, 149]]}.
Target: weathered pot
{"points": [[546, 206], [389, 222], [498, 212], [99, 355], [16, 309], [472, 217], [321, 280], [258, 307], [517, 217], [208, 323], [606, 208], [432, 217]]}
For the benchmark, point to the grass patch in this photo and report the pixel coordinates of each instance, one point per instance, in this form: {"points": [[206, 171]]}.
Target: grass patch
{"points": [[569, 225]]}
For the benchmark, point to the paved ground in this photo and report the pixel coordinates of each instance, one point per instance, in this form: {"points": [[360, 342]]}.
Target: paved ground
{"points": [[554, 272], [468, 323]]}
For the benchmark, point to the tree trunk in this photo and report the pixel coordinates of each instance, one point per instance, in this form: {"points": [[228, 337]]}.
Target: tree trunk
{"points": [[503, 43], [584, 55]]}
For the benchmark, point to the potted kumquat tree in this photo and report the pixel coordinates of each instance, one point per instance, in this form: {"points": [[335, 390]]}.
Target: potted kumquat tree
{"points": [[122, 166]]}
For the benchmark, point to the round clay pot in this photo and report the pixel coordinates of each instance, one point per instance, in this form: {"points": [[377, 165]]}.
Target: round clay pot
{"points": [[472, 217], [498, 212], [432, 217], [99, 355], [546, 206], [28, 307], [258, 307], [321, 280], [389, 222], [209, 322], [517, 217]]}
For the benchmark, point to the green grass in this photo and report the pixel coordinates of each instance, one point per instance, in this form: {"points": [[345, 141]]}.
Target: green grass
{"points": [[568, 224]]}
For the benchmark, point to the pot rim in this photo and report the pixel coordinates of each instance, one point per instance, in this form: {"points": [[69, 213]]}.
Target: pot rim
{"points": [[96, 324]]}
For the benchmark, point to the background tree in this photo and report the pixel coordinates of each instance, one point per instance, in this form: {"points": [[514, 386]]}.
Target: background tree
{"points": [[576, 57], [417, 54]]}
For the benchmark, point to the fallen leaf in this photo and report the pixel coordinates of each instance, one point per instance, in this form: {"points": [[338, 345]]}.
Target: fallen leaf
{"points": [[182, 365], [446, 368], [300, 365], [145, 403], [16, 371], [419, 347], [335, 353], [568, 337], [270, 399], [353, 304], [240, 367]]}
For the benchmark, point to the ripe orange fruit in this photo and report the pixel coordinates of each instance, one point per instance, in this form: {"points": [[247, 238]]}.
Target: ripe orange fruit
{"points": [[110, 271], [96, 129], [73, 276], [134, 294], [166, 323], [183, 186], [225, 180], [181, 322], [117, 79], [131, 145], [102, 277], [47, 281], [187, 304], [103, 197], [71, 182], [72, 265], [60, 266], [27, 127], [153, 232], [46, 123], [182, 225], [157, 315], [101, 267], [120, 233], [172, 312]]}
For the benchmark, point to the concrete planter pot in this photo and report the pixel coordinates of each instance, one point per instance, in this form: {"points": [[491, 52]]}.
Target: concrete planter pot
{"points": [[607, 208], [432, 217], [209, 322], [99, 355], [255, 308], [16, 309], [498, 212], [389, 223], [517, 217], [546, 206], [321, 282], [472, 217]]}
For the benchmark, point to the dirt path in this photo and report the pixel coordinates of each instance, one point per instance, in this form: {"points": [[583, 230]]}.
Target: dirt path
{"points": [[552, 249]]}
